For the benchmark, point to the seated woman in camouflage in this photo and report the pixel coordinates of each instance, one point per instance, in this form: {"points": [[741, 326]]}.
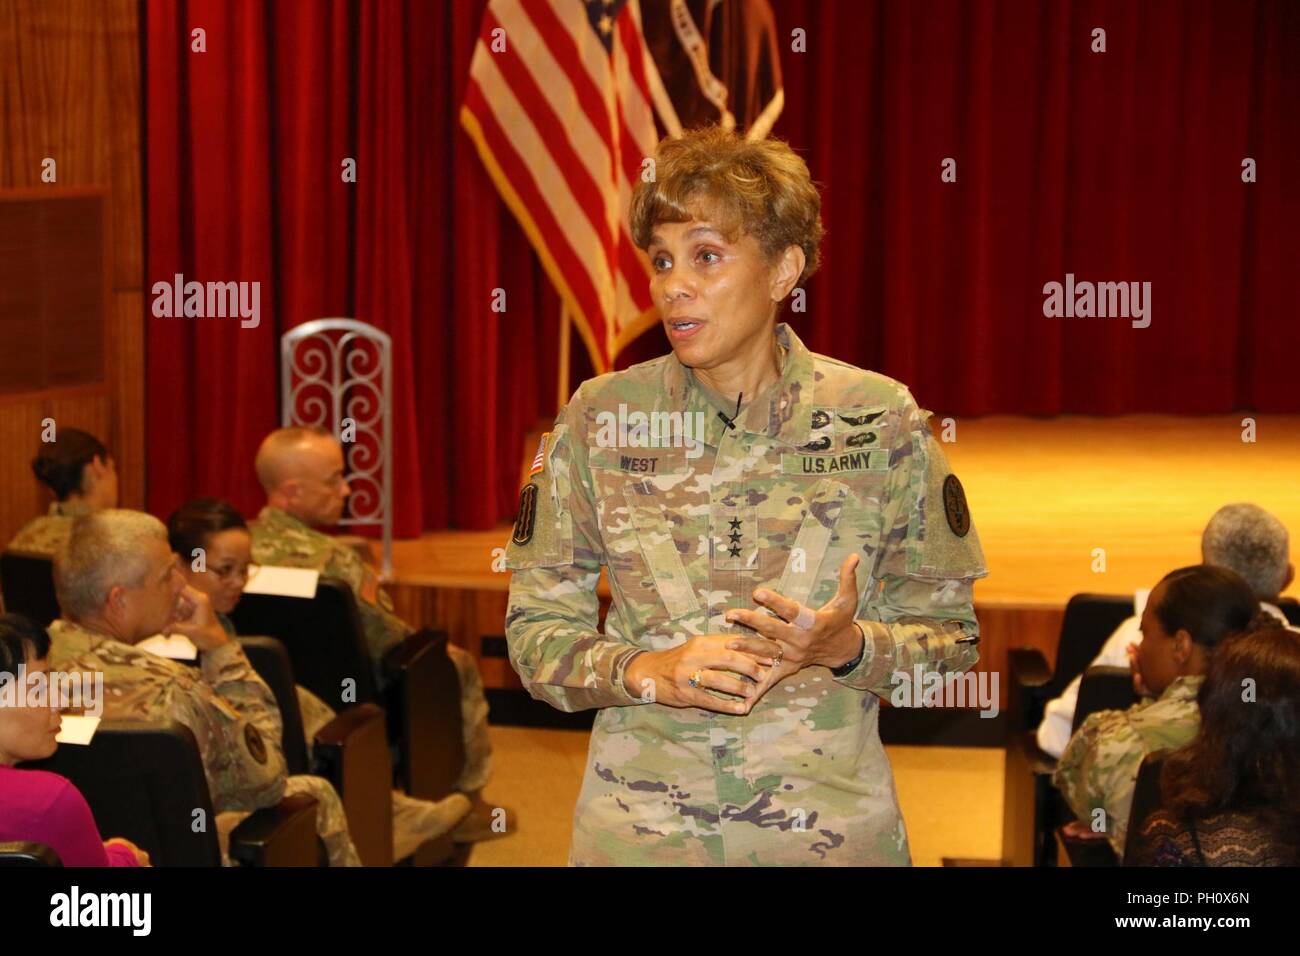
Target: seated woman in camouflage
{"points": [[784, 541], [79, 470], [214, 528], [1230, 797], [1187, 615]]}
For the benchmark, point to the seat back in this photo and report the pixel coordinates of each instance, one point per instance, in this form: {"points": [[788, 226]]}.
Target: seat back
{"points": [[27, 583], [1146, 798], [144, 781], [271, 661], [323, 637], [22, 855], [1103, 688], [1089, 620]]}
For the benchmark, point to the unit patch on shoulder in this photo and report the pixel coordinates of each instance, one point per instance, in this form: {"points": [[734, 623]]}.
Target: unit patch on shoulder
{"points": [[954, 506]]}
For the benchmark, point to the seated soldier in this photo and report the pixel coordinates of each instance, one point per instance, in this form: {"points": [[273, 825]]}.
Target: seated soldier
{"points": [[219, 531], [37, 806], [1229, 798], [1241, 537], [80, 471], [117, 584], [301, 470], [1187, 615]]}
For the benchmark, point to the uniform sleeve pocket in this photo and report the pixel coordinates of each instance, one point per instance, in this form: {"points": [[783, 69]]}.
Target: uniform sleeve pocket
{"points": [[543, 531], [659, 549], [803, 570]]}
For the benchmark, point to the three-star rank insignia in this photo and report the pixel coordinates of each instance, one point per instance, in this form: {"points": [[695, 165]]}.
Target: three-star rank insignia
{"points": [[735, 538]]}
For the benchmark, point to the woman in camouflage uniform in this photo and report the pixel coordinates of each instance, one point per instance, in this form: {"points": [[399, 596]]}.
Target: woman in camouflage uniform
{"points": [[783, 538], [79, 470]]}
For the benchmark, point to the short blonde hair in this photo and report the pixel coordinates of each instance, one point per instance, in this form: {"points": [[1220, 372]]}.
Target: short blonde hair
{"points": [[760, 188]]}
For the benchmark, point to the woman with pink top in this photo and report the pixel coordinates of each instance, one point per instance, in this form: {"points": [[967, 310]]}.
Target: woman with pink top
{"points": [[37, 806]]}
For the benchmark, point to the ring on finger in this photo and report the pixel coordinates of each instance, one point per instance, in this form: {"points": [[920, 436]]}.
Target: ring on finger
{"points": [[694, 679]]}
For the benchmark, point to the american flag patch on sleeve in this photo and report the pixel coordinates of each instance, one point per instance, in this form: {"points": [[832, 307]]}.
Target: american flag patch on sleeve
{"points": [[539, 460]]}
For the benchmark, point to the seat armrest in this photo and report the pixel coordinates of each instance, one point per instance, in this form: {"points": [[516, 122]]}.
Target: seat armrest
{"points": [[423, 704], [27, 854], [1028, 667], [351, 751], [282, 835], [1082, 851]]}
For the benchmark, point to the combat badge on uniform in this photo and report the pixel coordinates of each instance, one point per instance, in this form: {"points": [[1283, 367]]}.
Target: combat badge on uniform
{"points": [[527, 517]]}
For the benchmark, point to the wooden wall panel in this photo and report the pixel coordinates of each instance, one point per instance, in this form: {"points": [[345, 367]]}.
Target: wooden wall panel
{"points": [[126, 371], [20, 495], [70, 74]]}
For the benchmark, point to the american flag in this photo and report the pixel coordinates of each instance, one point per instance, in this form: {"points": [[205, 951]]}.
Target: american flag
{"points": [[561, 104], [539, 460]]}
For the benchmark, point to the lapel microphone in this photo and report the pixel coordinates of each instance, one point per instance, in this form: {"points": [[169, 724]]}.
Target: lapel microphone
{"points": [[729, 421]]}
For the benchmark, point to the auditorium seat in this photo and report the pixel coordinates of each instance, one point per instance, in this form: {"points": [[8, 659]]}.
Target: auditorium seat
{"points": [[1032, 807], [22, 855], [1103, 688], [144, 781], [326, 645], [27, 584], [1146, 799], [351, 751]]}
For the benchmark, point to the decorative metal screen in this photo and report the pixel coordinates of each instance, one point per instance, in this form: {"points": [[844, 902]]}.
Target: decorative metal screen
{"points": [[338, 374]]}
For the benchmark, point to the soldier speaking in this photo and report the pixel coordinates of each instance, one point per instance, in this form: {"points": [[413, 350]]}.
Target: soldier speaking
{"points": [[764, 591]]}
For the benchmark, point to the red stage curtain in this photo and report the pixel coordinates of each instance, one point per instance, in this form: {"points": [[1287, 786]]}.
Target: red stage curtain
{"points": [[1122, 166]]}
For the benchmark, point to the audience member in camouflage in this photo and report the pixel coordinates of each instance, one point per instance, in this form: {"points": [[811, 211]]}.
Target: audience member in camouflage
{"points": [[48, 533], [1188, 613], [301, 470], [118, 584], [80, 472], [215, 530], [1100, 765]]}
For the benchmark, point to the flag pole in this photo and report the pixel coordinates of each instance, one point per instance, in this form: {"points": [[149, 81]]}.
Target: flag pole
{"points": [[562, 379]]}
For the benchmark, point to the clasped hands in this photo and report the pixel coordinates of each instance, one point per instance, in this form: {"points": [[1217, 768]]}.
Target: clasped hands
{"points": [[781, 646]]}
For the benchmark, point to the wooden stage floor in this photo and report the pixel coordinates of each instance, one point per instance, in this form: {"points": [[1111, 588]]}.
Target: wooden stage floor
{"points": [[1044, 495]]}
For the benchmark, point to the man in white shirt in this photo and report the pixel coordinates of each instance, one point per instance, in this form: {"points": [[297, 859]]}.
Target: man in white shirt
{"points": [[1242, 537]]}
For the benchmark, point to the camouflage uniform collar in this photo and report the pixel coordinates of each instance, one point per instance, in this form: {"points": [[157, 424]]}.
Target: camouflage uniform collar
{"points": [[1184, 688], [75, 639], [70, 509], [276, 516], [783, 412]]}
